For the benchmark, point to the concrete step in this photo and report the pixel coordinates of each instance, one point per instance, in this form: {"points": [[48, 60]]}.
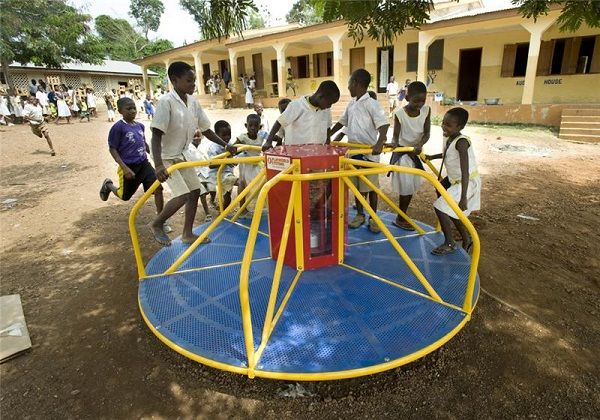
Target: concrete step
{"points": [[581, 138], [581, 112], [580, 123], [584, 131]]}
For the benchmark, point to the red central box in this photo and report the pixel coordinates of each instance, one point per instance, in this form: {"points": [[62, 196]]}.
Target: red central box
{"points": [[320, 215]]}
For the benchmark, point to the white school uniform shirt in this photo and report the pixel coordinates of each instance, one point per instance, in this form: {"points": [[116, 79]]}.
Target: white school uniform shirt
{"points": [[178, 123], [192, 154], [42, 97], [305, 123], [363, 117], [91, 100], [411, 128], [34, 113], [392, 89]]}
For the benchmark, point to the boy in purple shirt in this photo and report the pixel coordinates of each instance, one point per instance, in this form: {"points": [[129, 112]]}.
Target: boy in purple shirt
{"points": [[128, 147]]}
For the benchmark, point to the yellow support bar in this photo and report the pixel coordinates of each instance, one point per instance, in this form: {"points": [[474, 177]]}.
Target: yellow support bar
{"points": [[245, 269], [393, 241], [389, 202], [287, 226], [263, 175], [298, 225], [210, 228], [341, 220]]}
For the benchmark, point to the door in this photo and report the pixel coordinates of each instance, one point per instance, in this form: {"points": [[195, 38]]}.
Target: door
{"points": [[257, 66], [241, 67], [223, 65], [205, 76], [469, 69], [357, 58], [274, 77], [385, 67]]}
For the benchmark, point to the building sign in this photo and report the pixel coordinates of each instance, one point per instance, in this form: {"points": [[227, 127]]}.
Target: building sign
{"points": [[278, 163], [553, 82], [520, 82]]}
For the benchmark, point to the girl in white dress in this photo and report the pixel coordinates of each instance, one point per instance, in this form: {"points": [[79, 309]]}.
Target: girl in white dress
{"points": [[17, 108], [4, 111], [462, 177], [412, 125], [61, 105]]}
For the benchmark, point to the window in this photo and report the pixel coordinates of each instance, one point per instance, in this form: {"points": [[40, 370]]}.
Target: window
{"points": [[412, 56], [435, 55], [514, 60], [323, 64], [579, 55], [299, 66], [557, 56], [521, 60], [586, 52]]}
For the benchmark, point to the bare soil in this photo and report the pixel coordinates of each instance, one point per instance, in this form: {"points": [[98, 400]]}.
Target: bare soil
{"points": [[531, 349]]}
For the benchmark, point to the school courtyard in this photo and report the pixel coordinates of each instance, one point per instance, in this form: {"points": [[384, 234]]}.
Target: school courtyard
{"points": [[530, 350]]}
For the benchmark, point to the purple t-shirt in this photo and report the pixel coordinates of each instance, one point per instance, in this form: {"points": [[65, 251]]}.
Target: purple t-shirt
{"points": [[129, 141]]}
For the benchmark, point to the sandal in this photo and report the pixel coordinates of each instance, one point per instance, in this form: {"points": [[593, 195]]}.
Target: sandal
{"points": [[104, 190], [403, 225], [160, 236], [373, 226], [444, 249], [357, 222]]}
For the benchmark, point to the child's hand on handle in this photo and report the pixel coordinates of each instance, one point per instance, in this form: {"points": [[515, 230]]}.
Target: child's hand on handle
{"points": [[231, 149], [268, 145], [161, 173], [417, 150], [377, 149]]}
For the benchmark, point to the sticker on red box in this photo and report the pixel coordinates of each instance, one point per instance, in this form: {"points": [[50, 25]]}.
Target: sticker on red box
{"points": [[278, 163]]}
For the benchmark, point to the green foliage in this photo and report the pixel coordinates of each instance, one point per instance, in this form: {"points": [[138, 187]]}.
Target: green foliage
{"points": [[219, 18], [122, 42], [46, 32], [382, 20], [574, 12], [147, 14], [305, 13], [255, 20]]}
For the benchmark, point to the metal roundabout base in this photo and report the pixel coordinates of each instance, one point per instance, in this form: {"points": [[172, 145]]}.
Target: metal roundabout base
{"points": [[364, 316]]}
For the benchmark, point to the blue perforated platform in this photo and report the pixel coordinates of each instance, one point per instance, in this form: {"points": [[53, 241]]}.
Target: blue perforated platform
{"points": [[369, 312]]}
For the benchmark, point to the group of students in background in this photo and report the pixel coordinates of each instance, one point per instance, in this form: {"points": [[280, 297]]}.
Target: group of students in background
{"points": [[180, 123]]}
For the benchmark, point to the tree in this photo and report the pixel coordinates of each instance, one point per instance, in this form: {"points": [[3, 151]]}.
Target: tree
{"points": [[122, 42], [220, 18], [45, 32], [304, 12], [147, 14], [573, 14], [255, 20]]}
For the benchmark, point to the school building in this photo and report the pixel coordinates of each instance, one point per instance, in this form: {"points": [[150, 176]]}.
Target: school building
{"points": [[111, 74], [471, 52]]}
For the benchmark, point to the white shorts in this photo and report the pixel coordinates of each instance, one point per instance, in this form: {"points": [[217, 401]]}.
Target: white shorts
{"points": [[182, 181], [228, 181], [248, 172], [455, 191], [393, 101], [406, 184], [111, 114]]}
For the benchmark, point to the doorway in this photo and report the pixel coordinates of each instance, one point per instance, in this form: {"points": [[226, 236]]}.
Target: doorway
{"points": [[385, 67], [469, 69], [241, 67], [223, 65], [257, 66], [357, 58], [205, 76]]}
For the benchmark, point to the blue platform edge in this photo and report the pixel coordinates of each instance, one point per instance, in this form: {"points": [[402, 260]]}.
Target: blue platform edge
{"points": [[336, 319]]}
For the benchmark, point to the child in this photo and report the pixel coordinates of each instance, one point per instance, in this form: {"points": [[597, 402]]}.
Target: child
{"points": [[83, 109], [110, 108], [194, 153], [128, 147], [91, 102], [366, 123], [227, 97], [149, 107], [249, 171], [264, 121], [282, 106], [33, 113], [464, 180], [412, 125], [228, 179], [249, 98], [17, 107], [62, 107], [5, 114], [340, 136], [307, 120], [42, 98], [176, 119]]}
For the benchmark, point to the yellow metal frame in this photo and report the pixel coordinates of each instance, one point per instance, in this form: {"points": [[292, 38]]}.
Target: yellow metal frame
{"points": [[293, 218]]}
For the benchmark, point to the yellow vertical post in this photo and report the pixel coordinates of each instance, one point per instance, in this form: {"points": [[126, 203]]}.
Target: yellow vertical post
{"points": [[298, 228], [287, 227], [341, 220]]}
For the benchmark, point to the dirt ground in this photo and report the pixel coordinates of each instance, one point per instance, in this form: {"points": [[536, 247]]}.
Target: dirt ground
{"points": [[530, 351]]}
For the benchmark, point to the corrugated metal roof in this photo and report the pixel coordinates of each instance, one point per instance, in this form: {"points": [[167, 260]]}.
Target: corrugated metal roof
{"points": [[489, 6], [109, 66]]}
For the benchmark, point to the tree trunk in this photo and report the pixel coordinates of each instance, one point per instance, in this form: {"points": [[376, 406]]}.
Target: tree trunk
{"points": [[6, 72]]}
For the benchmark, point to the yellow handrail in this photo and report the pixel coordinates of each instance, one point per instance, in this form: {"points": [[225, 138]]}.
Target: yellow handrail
{"points": [[253, 193], [245, 268]]}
